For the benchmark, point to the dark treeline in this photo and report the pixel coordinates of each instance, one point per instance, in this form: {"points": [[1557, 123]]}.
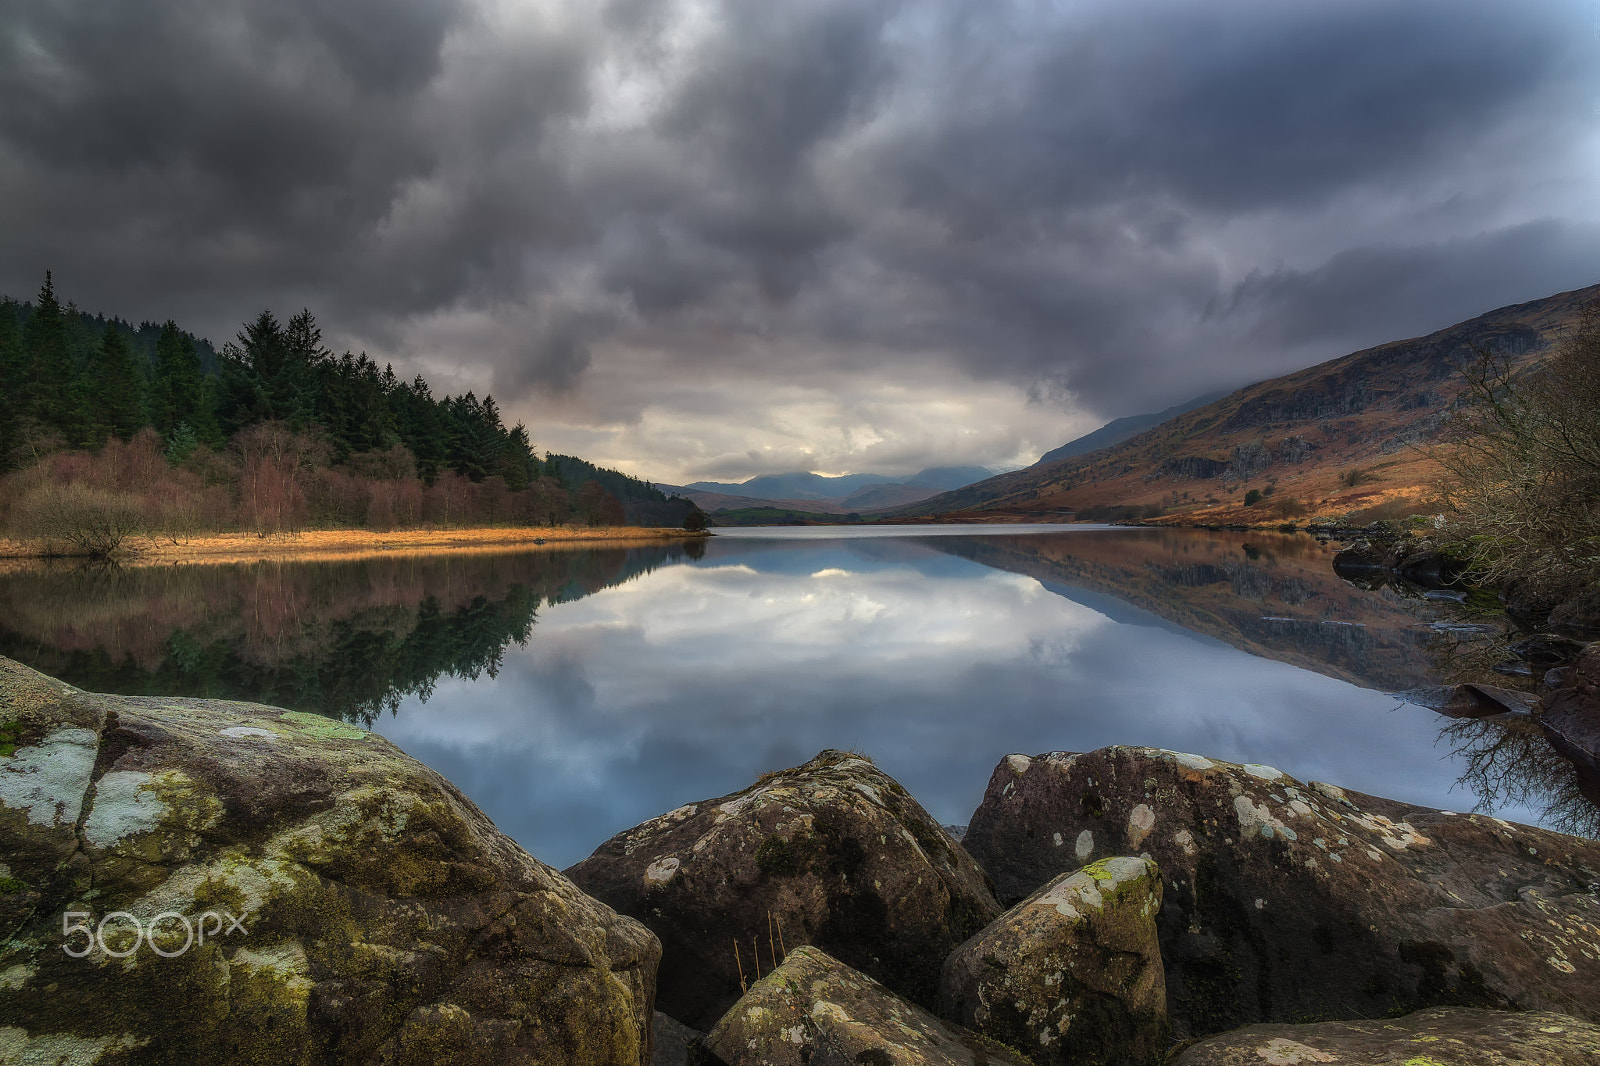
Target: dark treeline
{"points": [[273, 432]]}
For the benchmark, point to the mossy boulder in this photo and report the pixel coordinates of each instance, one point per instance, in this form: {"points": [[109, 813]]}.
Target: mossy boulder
{"points": [[834, 853], [816, 1011], [260, 886], [1445, 1036], [1288, 901], [1072, 974]]}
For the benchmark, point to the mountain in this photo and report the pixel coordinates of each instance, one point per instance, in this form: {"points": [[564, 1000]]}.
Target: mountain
{"points": [[802, 491], [1342, 437], [796, 486], [1120, 429]]}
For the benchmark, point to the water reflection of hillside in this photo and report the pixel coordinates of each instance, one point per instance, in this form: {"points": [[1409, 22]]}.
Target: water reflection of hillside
{"points": [[1269, 594], [349, 638]]}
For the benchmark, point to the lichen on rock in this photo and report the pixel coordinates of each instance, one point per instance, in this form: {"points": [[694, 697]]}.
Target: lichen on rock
{"points": [[1072, 974], [260, 886], [833, 853], [1285, 899], [815, 1010]]}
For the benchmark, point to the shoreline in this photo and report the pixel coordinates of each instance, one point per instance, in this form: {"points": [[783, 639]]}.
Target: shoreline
{"points": [[345, 544]]}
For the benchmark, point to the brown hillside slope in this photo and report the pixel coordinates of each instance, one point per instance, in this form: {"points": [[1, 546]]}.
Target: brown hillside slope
{"points": [[1334, 438]]}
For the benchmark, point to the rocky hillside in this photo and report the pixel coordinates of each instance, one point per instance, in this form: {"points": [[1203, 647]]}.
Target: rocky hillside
{"points": [[1338, 437]]}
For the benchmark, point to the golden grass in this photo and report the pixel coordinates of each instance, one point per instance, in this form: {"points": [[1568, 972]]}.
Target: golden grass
{"points": [[339, 544]]}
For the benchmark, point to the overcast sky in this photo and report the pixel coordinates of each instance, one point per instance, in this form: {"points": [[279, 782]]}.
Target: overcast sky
{"points": [[712, 240]]}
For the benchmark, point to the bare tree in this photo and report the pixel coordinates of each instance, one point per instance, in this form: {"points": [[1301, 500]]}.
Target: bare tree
{"points": [[1523, 456]]}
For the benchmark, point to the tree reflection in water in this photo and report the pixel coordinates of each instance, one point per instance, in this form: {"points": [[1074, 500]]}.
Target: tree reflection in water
{"points": [[1508, 759], [1512, 764], [350, 639]]}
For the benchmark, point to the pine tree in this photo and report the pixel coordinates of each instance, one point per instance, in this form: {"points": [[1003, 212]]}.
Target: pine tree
{"points": [[115, 390], [13, 377], [53, 395], [177, 391]]}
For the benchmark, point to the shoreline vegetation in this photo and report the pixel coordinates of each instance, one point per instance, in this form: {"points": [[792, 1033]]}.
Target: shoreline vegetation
{"points": [[344, 544], [113, 434]]}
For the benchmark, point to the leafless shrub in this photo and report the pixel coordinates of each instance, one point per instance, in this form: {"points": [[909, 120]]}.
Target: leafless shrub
{"points": [[78, 519], [1524, 462]]}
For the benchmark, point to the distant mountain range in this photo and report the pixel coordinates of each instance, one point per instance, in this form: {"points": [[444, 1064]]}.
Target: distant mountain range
{"points": [[1337, 438], [846, 493]]}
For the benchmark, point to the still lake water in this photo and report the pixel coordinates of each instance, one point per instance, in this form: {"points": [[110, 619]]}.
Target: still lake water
{"points": [[574, 692]]}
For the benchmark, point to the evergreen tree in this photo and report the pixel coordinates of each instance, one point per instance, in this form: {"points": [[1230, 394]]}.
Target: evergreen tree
{"points": [[53, 394], [115, 390], [13, 378], [177, 391]]}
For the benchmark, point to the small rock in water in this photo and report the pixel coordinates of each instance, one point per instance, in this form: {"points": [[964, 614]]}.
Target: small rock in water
{"points": [[1445, 595], [1547, 649]]}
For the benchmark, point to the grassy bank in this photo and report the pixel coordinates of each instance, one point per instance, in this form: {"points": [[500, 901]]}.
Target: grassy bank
{"points": [[354, 543]]}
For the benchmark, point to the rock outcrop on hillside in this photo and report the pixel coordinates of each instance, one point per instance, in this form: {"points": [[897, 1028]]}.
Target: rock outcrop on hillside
{"points": [[1446, 1036], [815, 1011], [1072, 975], [191, 880], [833, 853], [1284, 900]]}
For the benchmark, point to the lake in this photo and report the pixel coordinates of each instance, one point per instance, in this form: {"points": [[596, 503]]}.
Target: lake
{"points": [[574, 692]]}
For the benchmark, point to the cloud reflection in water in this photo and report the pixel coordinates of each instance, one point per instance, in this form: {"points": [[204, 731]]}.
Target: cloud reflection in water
{"points": [[692, 680]]}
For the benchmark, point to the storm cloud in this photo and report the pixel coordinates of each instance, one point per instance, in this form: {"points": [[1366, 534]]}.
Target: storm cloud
{"points": [[715, 239]]}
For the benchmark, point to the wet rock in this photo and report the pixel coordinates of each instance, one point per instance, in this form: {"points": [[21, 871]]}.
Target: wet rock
{"points": [[1529, 603], [1578, 614], [1430, 568], [1361, 557], [1571, 717], [1472, 700], [1071, 975], [833, 853], [1448, 1036], [310, 894], [1545, 650], [817, 1011], [1283, 900]]}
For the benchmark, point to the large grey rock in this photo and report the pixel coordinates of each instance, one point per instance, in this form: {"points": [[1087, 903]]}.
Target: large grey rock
{"points": [[381, 917], [815, 1011], [833, 853], [1071, 975], [1446, 1036], [1284, 900]]}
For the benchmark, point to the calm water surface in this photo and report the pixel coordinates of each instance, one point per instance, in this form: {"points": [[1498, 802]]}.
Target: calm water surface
{"points": [[575, 692]]}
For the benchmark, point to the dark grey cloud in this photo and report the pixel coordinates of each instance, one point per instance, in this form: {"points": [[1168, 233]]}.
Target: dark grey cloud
{"points": [[596, 210]]}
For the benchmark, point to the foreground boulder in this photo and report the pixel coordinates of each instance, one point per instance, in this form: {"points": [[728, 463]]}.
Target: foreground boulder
{"points": [[833, 853], [1447, 1036], [814, 1010], [1284, 900], [204, 881], [1071, 975]]}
